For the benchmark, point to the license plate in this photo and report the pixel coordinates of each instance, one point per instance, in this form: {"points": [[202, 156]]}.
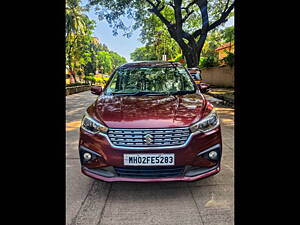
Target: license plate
{"points": [[149, 159]]}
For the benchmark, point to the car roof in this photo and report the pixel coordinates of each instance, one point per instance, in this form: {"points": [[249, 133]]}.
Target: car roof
{"points": [[151, 64]]}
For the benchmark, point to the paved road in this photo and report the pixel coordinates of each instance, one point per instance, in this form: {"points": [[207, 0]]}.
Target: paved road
{"points": [[91, 202]]}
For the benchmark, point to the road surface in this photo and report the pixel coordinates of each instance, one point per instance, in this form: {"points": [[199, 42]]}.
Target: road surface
{"points": [[90, 202]]}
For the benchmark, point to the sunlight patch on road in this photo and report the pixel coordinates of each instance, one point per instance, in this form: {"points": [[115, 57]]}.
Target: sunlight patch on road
{"points": [[225, 113], [228, 122], [73, 125], [212, 203], [76, 110], [223, 109]]}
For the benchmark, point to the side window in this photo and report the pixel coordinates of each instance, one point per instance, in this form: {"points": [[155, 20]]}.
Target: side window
{"points": [[113, 84]]}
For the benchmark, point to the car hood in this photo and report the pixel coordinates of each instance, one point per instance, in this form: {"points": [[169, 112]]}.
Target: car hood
{"points": [[149, 111]]}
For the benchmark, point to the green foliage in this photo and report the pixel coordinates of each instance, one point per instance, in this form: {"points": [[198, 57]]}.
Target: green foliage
{"points": [[178, 58], [229, 59], [101, 80], [96, 80], [78, 36], [215, 39], [160, 29], [207, 62], [84, 55], [145, 53], [228, 34], [156, 36], [106, 62], [138, 10], [89, 79], [117, 60]]}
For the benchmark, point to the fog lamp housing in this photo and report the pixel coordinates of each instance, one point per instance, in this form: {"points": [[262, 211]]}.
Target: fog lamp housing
{"points": [[213, 155], [87, 156]]}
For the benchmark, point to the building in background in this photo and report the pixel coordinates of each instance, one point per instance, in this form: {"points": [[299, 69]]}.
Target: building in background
{"points": [[223, 49]]}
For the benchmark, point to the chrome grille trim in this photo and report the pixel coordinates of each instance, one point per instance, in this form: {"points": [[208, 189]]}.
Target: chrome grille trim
{"points": [[168, 137]]}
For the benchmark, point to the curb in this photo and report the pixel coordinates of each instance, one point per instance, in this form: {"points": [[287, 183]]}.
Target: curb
{"points": [[225, 101], [77, 89]]}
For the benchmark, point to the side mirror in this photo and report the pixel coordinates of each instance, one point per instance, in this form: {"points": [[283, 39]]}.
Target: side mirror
{"points": [[96, 90], [204, 88]]}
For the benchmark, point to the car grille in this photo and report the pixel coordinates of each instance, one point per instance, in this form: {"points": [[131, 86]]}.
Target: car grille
{"points": [[156, 172], [148, 137]]}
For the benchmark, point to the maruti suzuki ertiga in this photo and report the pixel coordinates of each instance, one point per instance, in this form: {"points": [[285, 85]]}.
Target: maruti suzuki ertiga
{"points": [[150, 123]]}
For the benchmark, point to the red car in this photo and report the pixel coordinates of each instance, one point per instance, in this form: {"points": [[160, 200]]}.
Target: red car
{"points": [[150, 123]]}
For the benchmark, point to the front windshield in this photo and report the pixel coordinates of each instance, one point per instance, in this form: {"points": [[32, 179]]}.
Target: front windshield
{"points": [[150, 80]]}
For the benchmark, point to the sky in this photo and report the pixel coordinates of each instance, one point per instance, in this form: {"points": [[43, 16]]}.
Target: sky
{"points": [[120, 44]]}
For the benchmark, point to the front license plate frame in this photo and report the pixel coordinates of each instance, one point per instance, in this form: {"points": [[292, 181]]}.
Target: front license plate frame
{"points": [[149, 159]]}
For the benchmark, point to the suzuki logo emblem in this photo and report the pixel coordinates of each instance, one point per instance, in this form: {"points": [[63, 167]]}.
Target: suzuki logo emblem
{"points": [[148, 138]]}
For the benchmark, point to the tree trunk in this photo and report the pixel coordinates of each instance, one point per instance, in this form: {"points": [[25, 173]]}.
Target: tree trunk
{"points": [[72, 73], [71, 69], [192, 54], [191, 57]]}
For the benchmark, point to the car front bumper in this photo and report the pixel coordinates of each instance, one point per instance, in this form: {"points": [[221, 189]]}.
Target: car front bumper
{"points": [[94, 175], [192, 157]]}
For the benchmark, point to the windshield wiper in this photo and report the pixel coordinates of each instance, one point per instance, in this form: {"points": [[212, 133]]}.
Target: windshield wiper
{"points": [[181, 92], [140, 93]]}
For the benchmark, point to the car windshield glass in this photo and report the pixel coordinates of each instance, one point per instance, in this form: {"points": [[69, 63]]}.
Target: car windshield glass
{"points": [[150, 80]]}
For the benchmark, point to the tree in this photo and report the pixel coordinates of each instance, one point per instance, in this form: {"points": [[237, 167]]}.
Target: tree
{"points": [[105, 60], [145, 53], [215, 39], [228, 34], [117, 60], [84, 54], [102, 59], [188, 24], [154, 35], [78, 28]]}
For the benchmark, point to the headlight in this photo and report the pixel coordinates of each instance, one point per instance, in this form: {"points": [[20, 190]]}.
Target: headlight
{"points": [[210, 122], [92, 126]]}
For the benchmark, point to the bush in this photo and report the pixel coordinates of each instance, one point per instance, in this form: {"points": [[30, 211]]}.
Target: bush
{"points": [[86, 79], [210, 61], [229, 59], [96, 80], [101, 80], [89, 79], [179, 58]]}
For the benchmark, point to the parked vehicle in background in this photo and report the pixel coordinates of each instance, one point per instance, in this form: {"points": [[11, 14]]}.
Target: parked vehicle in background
{"points": [[150, 123], [196, 74]]}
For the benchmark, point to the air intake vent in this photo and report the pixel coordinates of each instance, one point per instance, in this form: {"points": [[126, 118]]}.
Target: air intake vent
{"points": [[156, 172]]}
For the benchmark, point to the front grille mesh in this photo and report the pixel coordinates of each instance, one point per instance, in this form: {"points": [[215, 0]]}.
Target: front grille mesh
{"points": [[155, 172], [157, 137]]}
